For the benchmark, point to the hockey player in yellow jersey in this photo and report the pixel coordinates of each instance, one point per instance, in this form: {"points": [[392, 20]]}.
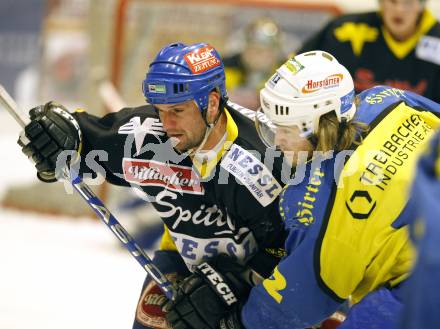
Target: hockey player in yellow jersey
{"points": [[345, 211]]}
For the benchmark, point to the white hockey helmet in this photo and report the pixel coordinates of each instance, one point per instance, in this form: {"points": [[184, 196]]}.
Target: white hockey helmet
{"points": [[303, 89]]}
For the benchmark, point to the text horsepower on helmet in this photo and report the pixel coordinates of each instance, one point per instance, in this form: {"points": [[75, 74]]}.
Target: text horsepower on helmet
{"points": [[329, 82]]}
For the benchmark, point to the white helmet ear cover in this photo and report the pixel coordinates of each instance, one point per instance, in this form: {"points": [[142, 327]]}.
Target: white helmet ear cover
{"points": [[285, 112]]}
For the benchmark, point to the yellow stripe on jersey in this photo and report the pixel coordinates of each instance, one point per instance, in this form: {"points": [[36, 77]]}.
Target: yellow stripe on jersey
{"points": [[360, 249], [437, 161], [401, 49], [167, 243], [206, 167]]}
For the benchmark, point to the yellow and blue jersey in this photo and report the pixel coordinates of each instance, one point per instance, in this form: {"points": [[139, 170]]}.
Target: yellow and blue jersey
{"points": [[423, 295], [347, 220]]}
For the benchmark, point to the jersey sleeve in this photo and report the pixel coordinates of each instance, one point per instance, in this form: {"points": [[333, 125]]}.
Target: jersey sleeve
{"points": [[97, 134], [104, 141], [419, 101]]}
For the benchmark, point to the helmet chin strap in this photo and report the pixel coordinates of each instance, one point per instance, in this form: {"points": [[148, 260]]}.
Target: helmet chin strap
{"points": [[208, 130]]}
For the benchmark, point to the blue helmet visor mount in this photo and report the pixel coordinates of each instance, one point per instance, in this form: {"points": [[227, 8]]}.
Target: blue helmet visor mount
{"points": [[174, 91]]}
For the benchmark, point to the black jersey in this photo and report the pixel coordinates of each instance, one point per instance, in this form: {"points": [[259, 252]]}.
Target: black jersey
{"points": [[373, 57], [225, 202]]}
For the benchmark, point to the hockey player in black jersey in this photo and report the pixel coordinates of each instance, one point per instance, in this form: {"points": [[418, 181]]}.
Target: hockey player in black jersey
{"points": [[398, 46], [195, 156]]}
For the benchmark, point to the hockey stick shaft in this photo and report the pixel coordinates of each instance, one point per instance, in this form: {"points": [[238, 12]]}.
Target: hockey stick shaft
{"points": [[98, 207], [9, 105], [112, 223]]}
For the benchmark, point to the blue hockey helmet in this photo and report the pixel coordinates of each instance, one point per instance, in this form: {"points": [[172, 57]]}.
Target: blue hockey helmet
{"points": [[180, 73]]}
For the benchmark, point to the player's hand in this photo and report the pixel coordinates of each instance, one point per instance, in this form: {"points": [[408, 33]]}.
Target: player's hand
{"points": [[210, 298], [51, 131]]}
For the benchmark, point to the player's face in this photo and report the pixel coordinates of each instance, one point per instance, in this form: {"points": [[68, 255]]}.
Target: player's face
{"points": [[295, 147], [184, 122], [400, 17]]}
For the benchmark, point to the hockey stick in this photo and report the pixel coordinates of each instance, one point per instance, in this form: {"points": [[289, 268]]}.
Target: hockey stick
{"points": [[98, 207]]}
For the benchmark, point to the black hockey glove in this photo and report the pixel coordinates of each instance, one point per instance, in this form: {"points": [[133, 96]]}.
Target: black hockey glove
{"points": [[51, 131], [211, 297]]}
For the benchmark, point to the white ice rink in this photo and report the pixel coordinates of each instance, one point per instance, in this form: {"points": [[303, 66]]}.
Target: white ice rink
{"points": [[59, 273]]}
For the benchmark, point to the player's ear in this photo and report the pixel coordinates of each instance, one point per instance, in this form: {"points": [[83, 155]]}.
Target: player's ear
{"points": [[213, 106]]}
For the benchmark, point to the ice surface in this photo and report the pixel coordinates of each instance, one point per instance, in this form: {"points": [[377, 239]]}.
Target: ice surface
{"points": [[59, 272]]}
